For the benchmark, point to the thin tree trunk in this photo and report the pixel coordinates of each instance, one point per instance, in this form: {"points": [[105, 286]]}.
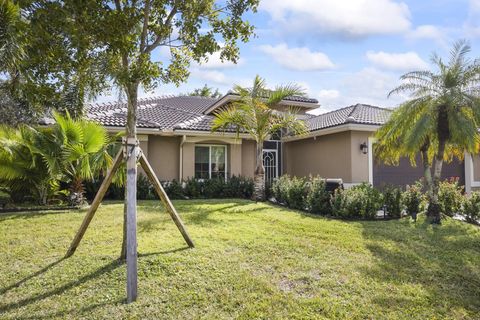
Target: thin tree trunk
{"points": [[131, 192], [427, 171], [123, 253], [259, 178], [434, 210]]}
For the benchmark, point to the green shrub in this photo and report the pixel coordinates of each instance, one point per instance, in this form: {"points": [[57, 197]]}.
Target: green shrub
{"points": [[318, 198], [361, 201], [238, 187], [471, 207], [392, 199], [213, 188], [412, 198], [145, 190], [450, 197], [280, 189], [174, 190], [193, 188], [296, 193]]}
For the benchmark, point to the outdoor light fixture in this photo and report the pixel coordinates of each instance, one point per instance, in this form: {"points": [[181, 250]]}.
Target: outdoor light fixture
{"points": [[364, 148]]}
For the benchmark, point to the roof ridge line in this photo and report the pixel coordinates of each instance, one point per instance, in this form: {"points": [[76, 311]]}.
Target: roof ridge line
{"points": [[329, 112]]}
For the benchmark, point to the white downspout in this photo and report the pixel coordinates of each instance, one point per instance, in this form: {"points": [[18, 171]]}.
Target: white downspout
{"points": [[180, 178]]}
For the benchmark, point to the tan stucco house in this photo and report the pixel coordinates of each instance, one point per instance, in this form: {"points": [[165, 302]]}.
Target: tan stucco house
{"points": [[174, 133]]}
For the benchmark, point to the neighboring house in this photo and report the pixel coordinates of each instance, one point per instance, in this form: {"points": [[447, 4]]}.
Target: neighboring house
{"points": [[174, 133]]}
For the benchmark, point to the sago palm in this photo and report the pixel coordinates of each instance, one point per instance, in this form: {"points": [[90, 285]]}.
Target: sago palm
{"points": [[253, 113], [440, 120]]}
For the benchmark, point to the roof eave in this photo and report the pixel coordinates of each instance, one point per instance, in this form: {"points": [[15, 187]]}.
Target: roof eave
{"points": [[335, 129]]}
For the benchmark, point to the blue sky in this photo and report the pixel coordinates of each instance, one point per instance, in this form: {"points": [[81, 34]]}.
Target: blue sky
{"points": [[341, 52]]}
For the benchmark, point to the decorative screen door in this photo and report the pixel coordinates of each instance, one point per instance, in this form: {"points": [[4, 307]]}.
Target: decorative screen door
{"points": [[270, 163]]}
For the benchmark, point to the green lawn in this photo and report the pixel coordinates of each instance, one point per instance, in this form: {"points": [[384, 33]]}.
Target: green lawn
{"points": [[250, 261]]}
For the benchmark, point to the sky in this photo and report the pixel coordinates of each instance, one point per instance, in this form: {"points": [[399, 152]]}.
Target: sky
{"points": [[340, 52]]}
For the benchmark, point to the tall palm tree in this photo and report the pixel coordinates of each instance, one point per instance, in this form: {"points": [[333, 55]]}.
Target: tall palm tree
{"points": [[253, 113], [440, 120]]}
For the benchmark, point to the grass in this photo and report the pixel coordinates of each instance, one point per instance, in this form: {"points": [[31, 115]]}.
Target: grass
{"points": [[250, 261]]}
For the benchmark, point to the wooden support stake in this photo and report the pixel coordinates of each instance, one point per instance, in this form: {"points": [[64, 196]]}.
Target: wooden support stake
{"points": [[96, 202], [131, 200], [164, 198]]}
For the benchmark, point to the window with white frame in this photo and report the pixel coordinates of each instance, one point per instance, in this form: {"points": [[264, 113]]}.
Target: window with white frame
{"points": [[210, 161]]}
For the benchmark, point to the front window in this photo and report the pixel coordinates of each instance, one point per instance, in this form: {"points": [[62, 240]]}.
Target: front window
{"points": [[210, 161]]}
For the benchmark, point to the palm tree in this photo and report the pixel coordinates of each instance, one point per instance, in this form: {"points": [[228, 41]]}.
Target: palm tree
{"points": [[253, 113], [23, 171], [71, 151], [79, 149], [440, 120]]}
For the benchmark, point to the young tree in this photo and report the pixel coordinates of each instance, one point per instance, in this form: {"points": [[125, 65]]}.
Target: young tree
{"points": [[93, 41], [206, 91], [440, 120], [253, 113]]}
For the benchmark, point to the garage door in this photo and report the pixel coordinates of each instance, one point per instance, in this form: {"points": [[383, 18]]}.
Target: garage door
{"points": [[404, 173]]}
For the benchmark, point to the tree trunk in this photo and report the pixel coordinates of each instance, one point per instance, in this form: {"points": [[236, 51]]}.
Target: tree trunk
{"points": [[443, 133], [259, 179], [131, 192], [77, 192]]}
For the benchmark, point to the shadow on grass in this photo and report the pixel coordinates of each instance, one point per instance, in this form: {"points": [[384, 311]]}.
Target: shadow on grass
{"points": [[148, 254], [59, 290], [442, 260], [33, 275]]}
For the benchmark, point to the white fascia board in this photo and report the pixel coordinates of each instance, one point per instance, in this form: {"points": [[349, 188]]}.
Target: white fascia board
{"points": [[232, 97], [139, 130], [210, 134], [336, 129]]}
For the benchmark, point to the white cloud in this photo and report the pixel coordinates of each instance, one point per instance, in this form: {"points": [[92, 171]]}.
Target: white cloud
{"points": [[210, 76], [299, 59], [397, 61], [328, 94], [428, 32], [471, 26], [213, 61], [353, 18]]}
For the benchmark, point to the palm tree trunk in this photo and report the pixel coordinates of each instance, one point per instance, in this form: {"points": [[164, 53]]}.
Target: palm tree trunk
{"points": [[259, 178], [77, 192], [427, 171]]}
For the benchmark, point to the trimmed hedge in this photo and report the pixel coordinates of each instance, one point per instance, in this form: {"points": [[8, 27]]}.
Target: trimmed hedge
{"points": [[235, 187], [361, 201]]}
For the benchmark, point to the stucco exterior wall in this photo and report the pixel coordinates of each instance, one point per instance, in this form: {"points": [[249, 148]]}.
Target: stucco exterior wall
{"points": [[476, 167], [327, 156], [359, 161], [248, 158], [163, 155]]}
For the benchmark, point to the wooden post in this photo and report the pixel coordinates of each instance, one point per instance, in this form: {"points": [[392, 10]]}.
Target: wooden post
{"points": [[164, 198], [96, 202], [131, 149]]}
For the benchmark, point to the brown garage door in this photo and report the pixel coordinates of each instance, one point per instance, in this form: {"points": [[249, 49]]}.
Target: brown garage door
{"points": [[404, 173]]}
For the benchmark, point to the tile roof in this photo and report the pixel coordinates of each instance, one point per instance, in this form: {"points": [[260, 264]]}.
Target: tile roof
{"points": [[164, 113], [289, 98], [186, 113], [358, 114]]}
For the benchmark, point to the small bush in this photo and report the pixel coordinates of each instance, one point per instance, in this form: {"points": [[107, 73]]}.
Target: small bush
{"points": [[213, 188], [193, 188], [174, 189], [392, 198], [145, 190], [318, 198], [361, 201], [450, 197], [471, 207], [238, 187], [280, 189], [412, 198], [296, 193]]}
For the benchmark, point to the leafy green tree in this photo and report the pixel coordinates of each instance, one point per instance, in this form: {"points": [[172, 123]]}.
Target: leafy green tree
{"points": [[206, 91], [253, 113], [440, 120]]}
